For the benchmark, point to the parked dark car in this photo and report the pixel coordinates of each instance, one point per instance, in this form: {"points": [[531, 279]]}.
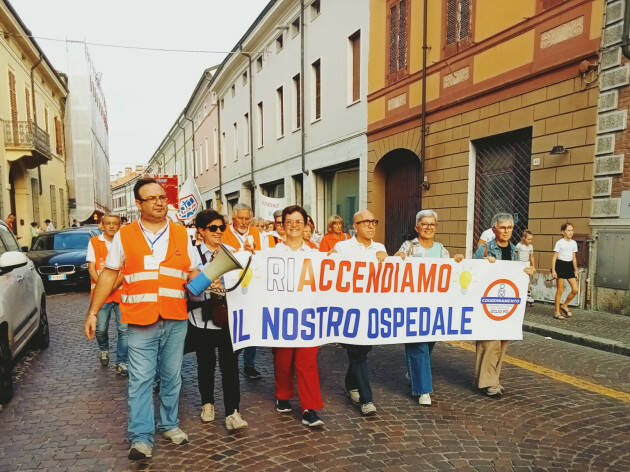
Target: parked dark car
{"points": [[59, 257]]}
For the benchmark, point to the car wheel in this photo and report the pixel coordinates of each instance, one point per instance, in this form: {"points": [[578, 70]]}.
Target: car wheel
{"points": [[42, 337], [6, 382]]}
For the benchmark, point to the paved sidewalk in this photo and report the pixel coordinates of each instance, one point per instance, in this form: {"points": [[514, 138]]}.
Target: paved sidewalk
{"points": [[596, 329]]}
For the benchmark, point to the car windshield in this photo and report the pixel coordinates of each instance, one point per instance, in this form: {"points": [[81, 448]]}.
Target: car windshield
{"points": [[69, 240]]}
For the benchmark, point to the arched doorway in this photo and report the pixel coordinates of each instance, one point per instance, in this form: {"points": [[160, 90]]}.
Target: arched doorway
{"points": [[401, 172]]}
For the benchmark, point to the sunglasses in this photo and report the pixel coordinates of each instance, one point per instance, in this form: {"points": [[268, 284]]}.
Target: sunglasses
{"points": [[214, 228]]}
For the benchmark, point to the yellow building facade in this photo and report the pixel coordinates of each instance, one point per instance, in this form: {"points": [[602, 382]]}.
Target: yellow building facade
{"points": [[32, 168], [510, 117]]}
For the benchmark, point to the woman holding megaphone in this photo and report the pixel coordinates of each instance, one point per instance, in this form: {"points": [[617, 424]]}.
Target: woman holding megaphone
{"points": [[208, 332]]}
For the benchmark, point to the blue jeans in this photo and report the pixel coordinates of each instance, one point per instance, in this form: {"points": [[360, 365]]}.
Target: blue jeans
{"points": [[419, 367], [157, 347], [102, 327], [249, 356]]}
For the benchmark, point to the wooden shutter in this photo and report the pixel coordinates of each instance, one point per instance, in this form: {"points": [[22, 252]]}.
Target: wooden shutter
{"points": [[393, 38], [298, 101], [12, 98], [318, 89], [28, 105], [58, 136]]}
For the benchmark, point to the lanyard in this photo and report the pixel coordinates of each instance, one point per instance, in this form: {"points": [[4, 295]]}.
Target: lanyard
{"points": [[152, 243]]}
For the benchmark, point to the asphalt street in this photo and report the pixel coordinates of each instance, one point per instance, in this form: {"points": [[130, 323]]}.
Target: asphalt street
{"points": [[566, 407]]}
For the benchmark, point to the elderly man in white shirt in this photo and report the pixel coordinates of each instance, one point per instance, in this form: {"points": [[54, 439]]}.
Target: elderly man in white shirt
{"points": [[362, 245]]}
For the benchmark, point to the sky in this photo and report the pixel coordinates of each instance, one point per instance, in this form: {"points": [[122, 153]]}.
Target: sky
{"points": [[144, 90]]}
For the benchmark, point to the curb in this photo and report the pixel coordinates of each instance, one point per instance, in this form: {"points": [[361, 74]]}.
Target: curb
{"points": [[601, 344]]}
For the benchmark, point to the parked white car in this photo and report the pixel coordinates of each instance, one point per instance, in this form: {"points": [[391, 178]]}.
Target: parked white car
{"points": [[23, 320]]}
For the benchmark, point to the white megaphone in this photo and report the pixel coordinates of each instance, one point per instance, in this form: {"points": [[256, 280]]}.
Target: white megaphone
{"points": [[222, 262]]}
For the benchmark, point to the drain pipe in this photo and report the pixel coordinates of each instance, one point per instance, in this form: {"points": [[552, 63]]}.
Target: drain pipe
{"points": [[625, 44], [425, 183], [302, 78], [39, 168], [192, 128], [251, 127]]}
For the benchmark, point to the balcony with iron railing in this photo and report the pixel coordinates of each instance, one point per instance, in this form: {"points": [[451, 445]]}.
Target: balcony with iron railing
{"points": [[25, 141]]}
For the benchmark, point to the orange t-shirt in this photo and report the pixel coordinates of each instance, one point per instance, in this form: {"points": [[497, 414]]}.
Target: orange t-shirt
{"points": [[330, 239]]}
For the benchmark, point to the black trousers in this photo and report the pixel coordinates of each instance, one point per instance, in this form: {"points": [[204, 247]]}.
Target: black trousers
{"points": [[357, 376], [207, 342]]}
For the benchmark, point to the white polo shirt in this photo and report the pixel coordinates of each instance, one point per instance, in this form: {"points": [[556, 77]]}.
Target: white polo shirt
{"points": [[157, 242], [91, 257], [284, 248], [352, 247]]}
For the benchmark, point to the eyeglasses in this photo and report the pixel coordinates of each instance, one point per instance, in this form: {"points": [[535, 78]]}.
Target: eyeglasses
{"points": [[153, 200], [367, 222], [214, 228], [428, 225], [294, 223]]}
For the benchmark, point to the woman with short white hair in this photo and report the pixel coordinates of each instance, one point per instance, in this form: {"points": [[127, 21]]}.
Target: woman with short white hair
{"points": [[419, 354]]}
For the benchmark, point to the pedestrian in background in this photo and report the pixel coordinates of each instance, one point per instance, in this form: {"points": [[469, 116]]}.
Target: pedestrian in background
{"points": [[486, 237], [334, 235], [49, 225], [308, 233], [35, 229], [97, 251], [564, 267], [525, 253], [419, 354], [278, 229], [156, 259], [490, 354], [289, 361], [10, 221], [209, 332], [357, 381]]}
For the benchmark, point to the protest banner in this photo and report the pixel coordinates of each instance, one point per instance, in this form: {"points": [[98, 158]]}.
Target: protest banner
{"points": [[308, 299], [267, 205]]}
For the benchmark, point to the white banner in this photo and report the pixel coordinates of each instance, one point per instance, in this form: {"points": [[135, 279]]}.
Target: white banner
{"points": [[309, 299], [190, 202], [268, 205]]}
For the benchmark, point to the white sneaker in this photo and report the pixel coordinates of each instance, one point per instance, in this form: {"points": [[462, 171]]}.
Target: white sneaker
{"points": [[139, 451], [424, 399], [235, 421], [368, 409], [207, 413], [176, 435], [354, 396]]}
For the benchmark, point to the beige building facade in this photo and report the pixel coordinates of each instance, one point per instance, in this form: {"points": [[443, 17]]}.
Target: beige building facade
{"points": [[32, 152]]}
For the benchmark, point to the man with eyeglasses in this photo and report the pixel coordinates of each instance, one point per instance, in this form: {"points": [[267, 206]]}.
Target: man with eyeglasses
{"points": [[357, 381], [156, 259], [490, 354], [240, 235]]}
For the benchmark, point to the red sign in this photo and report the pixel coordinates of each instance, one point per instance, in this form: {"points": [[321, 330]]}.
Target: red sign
{"points": [[169, 182]]}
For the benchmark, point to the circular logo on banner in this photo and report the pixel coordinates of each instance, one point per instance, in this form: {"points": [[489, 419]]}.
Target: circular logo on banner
{"points": [[500, 299]]}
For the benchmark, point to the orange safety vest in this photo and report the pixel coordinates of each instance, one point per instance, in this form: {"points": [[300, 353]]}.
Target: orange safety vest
{"points": [[150, 294], [100, 254], [231, 239]]}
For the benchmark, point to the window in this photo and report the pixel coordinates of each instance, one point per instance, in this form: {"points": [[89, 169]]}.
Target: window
{"points": [[354, 63], [199, 160], [317, 87], [297, 111], [315, 9], [46, 119], [280, 112], [13, 99], [458, 30], [28, 105], [58, 137], [53, 205], [205, 142], [398, 36], [215, 144], [244, 78], [233, 90], [235, 141], [35, 198], [246, 134], [261, 141], [259, 63], [295, 27], [223, 144], [279, 43], [62, 208]]}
